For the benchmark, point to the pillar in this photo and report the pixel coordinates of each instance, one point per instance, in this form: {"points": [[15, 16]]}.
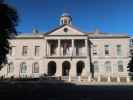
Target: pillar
{"points": [[69, 78], [59, 47], [46, 47], [127, 79], [89, 78], [108, 78], [99, 78], [79, 78], [72, 53], [86, 46], [118, 78]]}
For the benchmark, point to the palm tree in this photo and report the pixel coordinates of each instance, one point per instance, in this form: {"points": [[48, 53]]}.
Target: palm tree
{"points": [[8, 22]]}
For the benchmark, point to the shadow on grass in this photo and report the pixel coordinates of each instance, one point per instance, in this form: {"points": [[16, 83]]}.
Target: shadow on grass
{"points": [[43, 89]]}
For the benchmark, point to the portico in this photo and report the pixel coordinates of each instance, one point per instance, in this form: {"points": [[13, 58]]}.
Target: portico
{"points": [[66, 47]]}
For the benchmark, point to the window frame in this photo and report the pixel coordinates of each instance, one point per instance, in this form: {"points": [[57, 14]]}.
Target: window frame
{"points": [[25, 50], [119, 50], [120, 65], [23, 68], [106, 50], [35, 67], [108, 67], [37, 52]]}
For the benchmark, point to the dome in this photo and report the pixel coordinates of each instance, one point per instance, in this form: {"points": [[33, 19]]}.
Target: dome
{"points": [[65, 19], [65, 14]]}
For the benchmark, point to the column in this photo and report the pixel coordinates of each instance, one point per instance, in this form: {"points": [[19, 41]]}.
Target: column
{"points": [[45, 47], [48, 50], [59, 47], [72, 51], [99, 78], [69, 78], [118, 78], [86, 46], [109, 78], [128, 79], [89, 78]]}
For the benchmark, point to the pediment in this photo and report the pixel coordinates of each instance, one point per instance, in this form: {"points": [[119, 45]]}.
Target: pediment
{"points": [[65, 30]]}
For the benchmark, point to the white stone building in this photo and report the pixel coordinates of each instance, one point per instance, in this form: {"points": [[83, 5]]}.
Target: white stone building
{"points": [[66, 51]]}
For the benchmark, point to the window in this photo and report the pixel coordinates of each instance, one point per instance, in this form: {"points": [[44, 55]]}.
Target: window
{"points": [[23, 68], [108, 66], [131, 42], [94, 50], [96, 69], [10, 68], [65, 29], [25, 50], [120, 66], [37, 48], [11, 50], [119, 51], [35, 68], [131, 52], [65, 21], [62, 22], [106, 49]]}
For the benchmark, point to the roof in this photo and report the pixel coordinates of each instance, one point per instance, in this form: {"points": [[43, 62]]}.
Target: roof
{"points": [[96, 34], [58, 27]]}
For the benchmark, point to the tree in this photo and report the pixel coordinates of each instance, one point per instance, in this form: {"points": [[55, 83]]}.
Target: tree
{"points": [[8, 23], [130, 68]]}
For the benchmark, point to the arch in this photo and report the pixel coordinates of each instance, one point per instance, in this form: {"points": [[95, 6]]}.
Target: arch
{"points": [[66, 68], [35, 68], [80, 67], [51, 68], [108, 66], [23, 67], [96, 67], [120, 66]]}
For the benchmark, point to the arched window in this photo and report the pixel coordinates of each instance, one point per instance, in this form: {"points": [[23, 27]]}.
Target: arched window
{"points": [[96, 68], [108, 66], [10, 68], [120, 66], [35, 68], [23, 67]]}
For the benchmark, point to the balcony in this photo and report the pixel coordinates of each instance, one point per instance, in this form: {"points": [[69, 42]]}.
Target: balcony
{"points": [[66, 48]]}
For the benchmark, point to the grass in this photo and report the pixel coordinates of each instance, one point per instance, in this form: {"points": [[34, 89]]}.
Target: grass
{"points": [[59, 90]]}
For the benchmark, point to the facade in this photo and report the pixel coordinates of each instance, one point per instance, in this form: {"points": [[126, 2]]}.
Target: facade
{"points": [[67, 52]]}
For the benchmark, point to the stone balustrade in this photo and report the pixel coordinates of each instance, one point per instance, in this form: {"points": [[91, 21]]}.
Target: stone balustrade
{"points": [[98, 79]]}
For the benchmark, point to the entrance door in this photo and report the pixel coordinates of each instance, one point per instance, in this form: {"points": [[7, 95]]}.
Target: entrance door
{"points": [[80, 67], [65, 68], [51, 68]]}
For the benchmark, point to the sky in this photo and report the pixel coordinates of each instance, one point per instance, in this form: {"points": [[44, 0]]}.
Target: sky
{"points": [[113, 16]]}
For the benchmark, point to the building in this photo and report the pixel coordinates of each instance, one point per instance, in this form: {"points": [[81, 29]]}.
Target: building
{"points": [[131, 46], [66, 51]]}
